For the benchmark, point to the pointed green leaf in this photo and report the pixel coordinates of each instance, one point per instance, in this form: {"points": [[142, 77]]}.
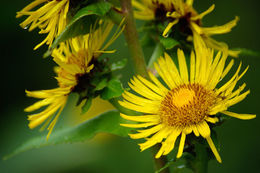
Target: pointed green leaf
{"points": [[168, 42], [101, 85], [86, 106], [113, 89], [81, 22], [108, 122]]}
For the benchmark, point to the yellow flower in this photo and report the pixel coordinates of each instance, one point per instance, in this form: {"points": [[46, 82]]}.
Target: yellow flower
{"points": [[50, 18], [190, 101], [182, 12], [75, 60]]}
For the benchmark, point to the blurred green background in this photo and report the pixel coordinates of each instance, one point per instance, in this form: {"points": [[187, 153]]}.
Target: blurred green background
{"points": [[22, 68]]}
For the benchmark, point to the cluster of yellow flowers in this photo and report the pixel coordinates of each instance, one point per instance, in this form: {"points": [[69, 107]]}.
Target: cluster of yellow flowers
{"points": [[185, 98], [75, 57]]}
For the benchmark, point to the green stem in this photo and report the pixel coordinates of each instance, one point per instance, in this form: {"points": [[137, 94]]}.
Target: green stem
{"points": [[161, 162], [199, 164], [131, 37]]}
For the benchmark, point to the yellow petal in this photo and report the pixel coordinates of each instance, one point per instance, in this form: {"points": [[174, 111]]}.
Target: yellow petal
{"points": [[192, 67], [172, 70], [39, 104], [220, 29], [240, 116], [146, 133], [151, 86], [201, 15], [229, 66], [144, 109], [157, 138], [51, 126], [169, 26], [158, 83], [189, 2], [170, 141], [162, 70], [213, 149], [212, 120], [143, 90], [141, 125], [195, 130], [181, 145], [183, 66], [203, 129], [237, 99], [142, 118], [140, 101]]}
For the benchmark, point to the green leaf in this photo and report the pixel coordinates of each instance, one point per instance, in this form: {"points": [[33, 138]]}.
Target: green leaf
{"points": [[118, 65], [198, 161], [168, 42], [82, 96], [86, 106], [81, 22], [113, 89], [108, 122], [101, 85], [248, 52]]}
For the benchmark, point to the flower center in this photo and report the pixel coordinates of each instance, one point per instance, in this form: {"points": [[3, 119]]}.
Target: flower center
{"points": [[182, 97], [186, 105]]}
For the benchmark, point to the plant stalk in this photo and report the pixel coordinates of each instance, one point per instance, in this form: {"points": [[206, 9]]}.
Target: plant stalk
{"points": [[199, 164], [132, 40], [161, 162]]}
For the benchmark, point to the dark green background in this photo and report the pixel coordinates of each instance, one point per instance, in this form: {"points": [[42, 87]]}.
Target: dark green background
{"points": [[22, 68]]}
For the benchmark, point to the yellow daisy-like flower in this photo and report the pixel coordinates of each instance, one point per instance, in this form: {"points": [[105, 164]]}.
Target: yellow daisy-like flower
{"points": [[74, 59], [50, 18], [182, 12], [190, 101]]}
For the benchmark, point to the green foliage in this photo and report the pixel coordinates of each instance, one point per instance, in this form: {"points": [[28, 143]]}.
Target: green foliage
{"points": [[100, 81], [101, 84], [168, 42], [82, 22], [86, 106], [108, 122], [113, 89]]}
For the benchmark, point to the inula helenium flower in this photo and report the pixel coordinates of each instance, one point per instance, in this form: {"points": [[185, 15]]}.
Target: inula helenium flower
{"points": [[50, 18], [182, 13], [190, 100], [75, 61]]}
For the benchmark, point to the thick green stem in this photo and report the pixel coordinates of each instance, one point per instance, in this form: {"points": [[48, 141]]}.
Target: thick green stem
{"points": [[199, 164], [131, 37]]}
